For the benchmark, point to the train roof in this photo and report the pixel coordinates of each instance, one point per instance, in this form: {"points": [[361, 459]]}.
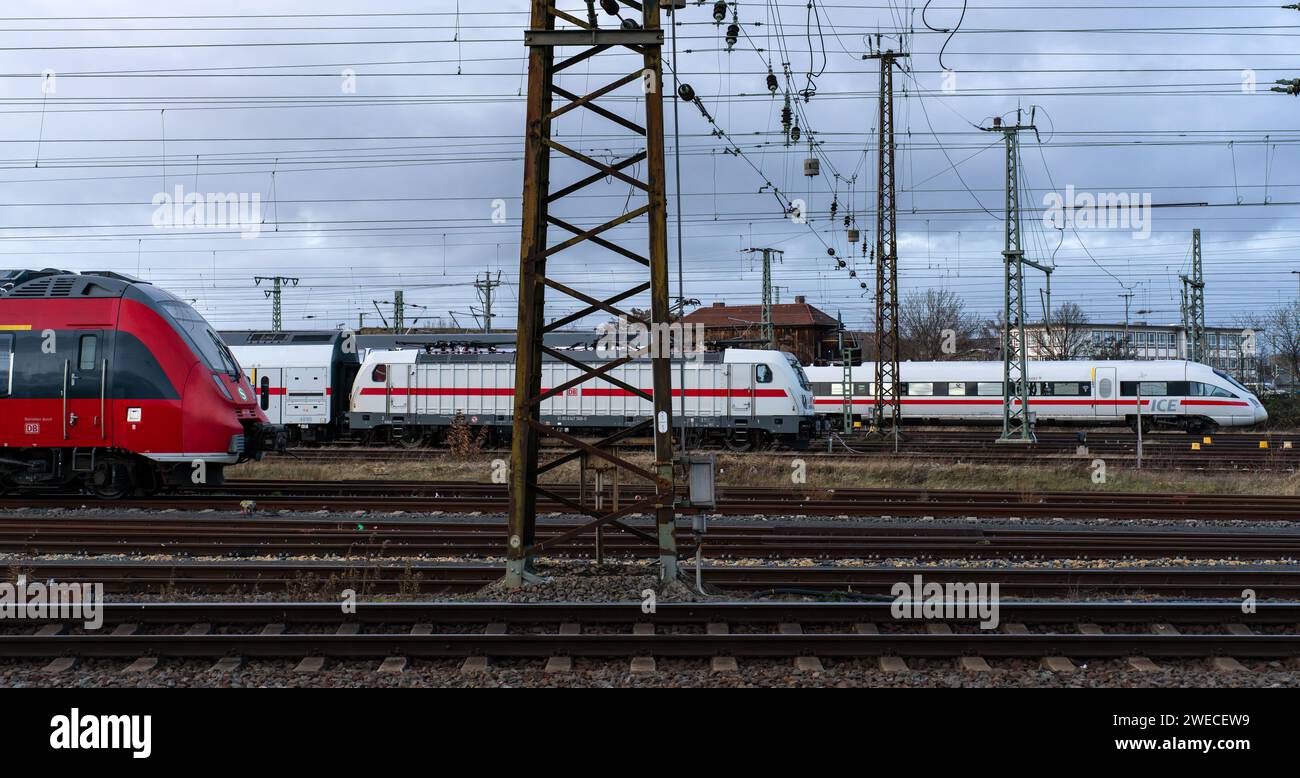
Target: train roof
{"points": [[281, 338], [53, 283]]}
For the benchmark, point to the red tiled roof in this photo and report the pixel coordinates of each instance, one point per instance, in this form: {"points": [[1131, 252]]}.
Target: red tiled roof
{"points": [[783, 315]]}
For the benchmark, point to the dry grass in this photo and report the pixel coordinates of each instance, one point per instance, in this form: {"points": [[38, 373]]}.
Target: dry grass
{"points": [[777, 470]]}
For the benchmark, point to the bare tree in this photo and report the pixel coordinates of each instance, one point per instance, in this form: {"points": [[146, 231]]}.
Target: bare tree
{"points": [[1278, 332], [934, 325], [1067, 335]]}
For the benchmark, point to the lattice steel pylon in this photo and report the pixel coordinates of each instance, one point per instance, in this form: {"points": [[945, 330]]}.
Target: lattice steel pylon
{"points": [[275, 294], [1194, 304], [544, 38], [1016, 426], [888, 405]]}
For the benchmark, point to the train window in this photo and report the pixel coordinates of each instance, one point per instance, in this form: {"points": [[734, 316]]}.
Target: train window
{"points": [[265, 391], [86, 352], [957, 388], [861, 390], [989, 388], [763, 374], [380, 374], [1154, 388], [837, 389], [1217, 392], [1066, 389], [6, 365], [920, 389]]}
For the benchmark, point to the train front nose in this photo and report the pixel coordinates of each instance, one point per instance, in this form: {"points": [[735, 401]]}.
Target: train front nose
{"points": [[1261, 415]]}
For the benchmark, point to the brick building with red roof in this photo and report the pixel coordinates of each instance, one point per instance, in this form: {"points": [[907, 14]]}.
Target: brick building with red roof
{"points": [[804, 330]]}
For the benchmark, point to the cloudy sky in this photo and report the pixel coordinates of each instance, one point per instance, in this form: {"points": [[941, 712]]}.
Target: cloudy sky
{"points": [[390, 181]]}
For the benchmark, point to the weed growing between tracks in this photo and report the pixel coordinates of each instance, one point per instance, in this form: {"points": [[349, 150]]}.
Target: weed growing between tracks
{"points": [[822, 473]]}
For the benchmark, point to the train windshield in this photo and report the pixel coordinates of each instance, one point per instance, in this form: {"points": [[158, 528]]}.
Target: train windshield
{"points": [[198, 332], [1232, 381], [803, 377]]}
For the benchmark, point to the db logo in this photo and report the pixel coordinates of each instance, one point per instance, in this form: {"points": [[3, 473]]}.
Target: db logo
{"points": [[473, 420], [572, 391], [32, 429]]}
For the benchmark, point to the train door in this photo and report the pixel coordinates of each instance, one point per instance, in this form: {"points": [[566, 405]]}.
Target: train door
{"points": [[1105, 392], [305, 401], [741, 389], [268, 385], [85, 377], [399, 388]]}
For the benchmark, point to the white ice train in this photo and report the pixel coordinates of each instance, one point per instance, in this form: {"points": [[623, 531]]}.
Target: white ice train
{"points": [[1172, 394], [741, 399]]}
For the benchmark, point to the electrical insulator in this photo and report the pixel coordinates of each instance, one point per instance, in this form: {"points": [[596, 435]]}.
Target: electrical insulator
{"points": [[733, 35], [853, 274], [862, 284], [610, 6], [772, 83], [842, 263], [720, 11], [835, 206], [631, 24], [854, 235], [686, 92], [795, 132], [786, 116], [830, 251], [812, 167]]}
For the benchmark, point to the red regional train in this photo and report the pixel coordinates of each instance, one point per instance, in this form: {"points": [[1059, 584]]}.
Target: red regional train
{"points": [[112, 386]]}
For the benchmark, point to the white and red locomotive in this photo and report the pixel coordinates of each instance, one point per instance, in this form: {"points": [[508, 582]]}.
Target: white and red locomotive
{"points": [[110, 384], [740, 398]]}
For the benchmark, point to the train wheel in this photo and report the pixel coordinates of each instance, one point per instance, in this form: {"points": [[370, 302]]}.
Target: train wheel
{"points": [[112, 481], [739, 444], [412, 439]]}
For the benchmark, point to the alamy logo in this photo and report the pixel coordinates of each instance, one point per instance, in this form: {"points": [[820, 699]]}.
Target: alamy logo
{"points": [[658, 340], [215, 210], [46, 601], [950, 601], [134, 733], [1102, 210]]}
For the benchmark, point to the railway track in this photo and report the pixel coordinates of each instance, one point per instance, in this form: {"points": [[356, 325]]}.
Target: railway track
{"points": [[197, 536], [327, 578], [716, 629], [1227, 451], [471, 497]]}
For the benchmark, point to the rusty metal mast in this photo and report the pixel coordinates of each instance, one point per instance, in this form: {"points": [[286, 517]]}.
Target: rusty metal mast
{"points": [[545, 39], [888, 404]]}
